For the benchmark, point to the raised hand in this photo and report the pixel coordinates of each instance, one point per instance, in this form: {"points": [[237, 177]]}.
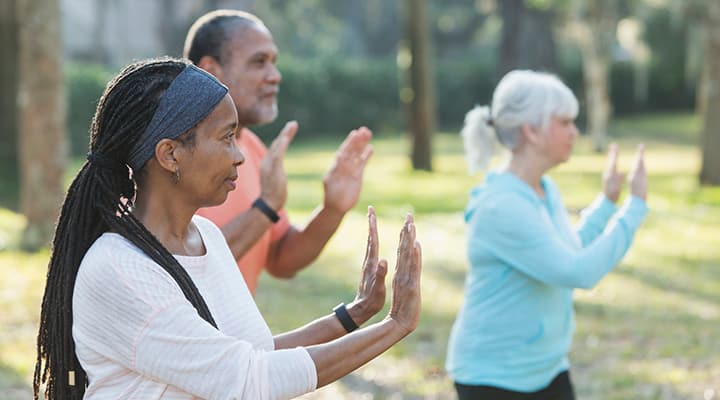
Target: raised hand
{"points": [[343, 180], [406, 299], [273, 181], [370, 297], [612, 179], [638, 177]]}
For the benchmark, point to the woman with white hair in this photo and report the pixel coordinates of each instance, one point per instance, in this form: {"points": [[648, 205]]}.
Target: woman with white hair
{"points": [[513, 333]]}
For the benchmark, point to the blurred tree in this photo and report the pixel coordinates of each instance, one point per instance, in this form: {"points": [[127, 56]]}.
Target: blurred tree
{"points": [[710, 171], [457, 24], [694, 15], [594, 26], [42, 130], [527, 39], [175, 21], [418, 96], [8, 98], [372, 27]]}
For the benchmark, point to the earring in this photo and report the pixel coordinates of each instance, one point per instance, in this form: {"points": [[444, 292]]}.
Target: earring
{"points": [[176, 177]]}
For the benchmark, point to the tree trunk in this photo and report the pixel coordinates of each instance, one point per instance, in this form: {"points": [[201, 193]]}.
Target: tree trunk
{"points": [[595, 72], [419, 99], [710, 170], [595, 29], [511, 13], [8, 103], [701, 95], [41, 103]]}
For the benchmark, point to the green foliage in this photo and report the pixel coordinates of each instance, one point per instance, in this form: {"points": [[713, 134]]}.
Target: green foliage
{"points": [[85, 84], [667, 36], [334, 96], [463, 84], [331, 96]]}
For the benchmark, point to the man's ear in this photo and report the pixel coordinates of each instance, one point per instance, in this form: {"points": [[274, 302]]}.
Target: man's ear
{"points": [[211, 65], [165, 154]]}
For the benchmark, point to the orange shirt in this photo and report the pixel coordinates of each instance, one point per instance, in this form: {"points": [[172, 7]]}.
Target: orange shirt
{"points": [[240, 200]]}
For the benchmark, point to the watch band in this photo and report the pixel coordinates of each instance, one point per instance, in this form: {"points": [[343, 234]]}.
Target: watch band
{"points": [[264, 208], [342, 314]]}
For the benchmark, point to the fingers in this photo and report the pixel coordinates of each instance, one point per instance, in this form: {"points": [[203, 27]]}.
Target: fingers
{"points": [[640, 157], [282, 141], [371, 253], [364, 157], [356, 140], [356, 149], [612, 157], [418, 259], [406, 245]]}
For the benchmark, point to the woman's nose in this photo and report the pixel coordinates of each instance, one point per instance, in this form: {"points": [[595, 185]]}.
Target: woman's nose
{"points": [[238, 156]]}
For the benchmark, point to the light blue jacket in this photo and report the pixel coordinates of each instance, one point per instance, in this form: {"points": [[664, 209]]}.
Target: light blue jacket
{"points": [[515, 327]]}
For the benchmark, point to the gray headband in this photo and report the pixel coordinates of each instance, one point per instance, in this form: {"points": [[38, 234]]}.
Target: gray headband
{"points": [[192, 95]]}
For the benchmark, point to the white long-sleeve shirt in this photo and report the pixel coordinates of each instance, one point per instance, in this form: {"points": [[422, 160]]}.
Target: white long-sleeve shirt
{"points": [[138, 337]]}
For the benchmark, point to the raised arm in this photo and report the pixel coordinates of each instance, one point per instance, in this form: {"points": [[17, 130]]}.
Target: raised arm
{"points": [[243, 231], [339, 357], [369, 300], [595, 217], [342, 185], [514, 230]]}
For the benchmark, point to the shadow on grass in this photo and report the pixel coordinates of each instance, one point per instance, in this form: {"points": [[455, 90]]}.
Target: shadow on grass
{"points": [[667, 284], [613, 358]]}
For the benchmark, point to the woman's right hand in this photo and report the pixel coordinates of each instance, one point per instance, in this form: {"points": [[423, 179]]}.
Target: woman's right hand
{"points": [[638, 177], [406, 299], [612, 179], [370, 297]]}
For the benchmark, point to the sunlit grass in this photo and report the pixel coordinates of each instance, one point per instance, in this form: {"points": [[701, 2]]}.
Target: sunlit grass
{"points": [[650, 330]]}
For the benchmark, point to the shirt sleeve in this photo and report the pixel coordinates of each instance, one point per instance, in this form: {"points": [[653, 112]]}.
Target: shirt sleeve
{"points": [[515, 231], [138, 317], [594, 219]]}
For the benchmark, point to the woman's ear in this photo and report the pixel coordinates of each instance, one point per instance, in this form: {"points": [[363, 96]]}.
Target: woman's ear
{"points": [[530, 133], [165, 154]]}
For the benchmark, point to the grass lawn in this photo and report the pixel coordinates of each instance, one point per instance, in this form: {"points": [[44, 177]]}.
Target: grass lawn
{"points": [[649, 330]]}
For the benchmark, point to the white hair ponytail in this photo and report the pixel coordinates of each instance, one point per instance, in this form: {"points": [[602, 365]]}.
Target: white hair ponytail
{"points": [[478, 138]]}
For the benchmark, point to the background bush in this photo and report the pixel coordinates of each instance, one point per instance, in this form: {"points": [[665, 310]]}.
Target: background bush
{"points": [[329, 97], [85, 84]]}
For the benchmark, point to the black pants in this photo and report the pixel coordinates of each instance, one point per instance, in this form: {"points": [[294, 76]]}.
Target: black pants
{"points": [[559, 389]]}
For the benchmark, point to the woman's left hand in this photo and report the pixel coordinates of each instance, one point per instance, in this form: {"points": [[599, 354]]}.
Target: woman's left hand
{"points": [[612, 179], [370, 297]]}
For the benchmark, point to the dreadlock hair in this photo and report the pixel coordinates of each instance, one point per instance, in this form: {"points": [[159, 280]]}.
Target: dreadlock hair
{"points": [[100, 200]]}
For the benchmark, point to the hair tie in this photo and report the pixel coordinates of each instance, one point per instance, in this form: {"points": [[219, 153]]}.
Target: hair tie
{"points": [[97, 159]]}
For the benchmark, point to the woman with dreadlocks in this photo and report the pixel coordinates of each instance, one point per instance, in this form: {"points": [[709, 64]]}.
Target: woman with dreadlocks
{"points": [[143, 299]]}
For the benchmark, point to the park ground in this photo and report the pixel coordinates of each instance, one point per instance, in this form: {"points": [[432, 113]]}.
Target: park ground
{"points": [[649, 330]]}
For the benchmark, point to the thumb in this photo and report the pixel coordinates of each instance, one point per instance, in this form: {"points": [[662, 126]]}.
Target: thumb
{"points": [[382, 269]]}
